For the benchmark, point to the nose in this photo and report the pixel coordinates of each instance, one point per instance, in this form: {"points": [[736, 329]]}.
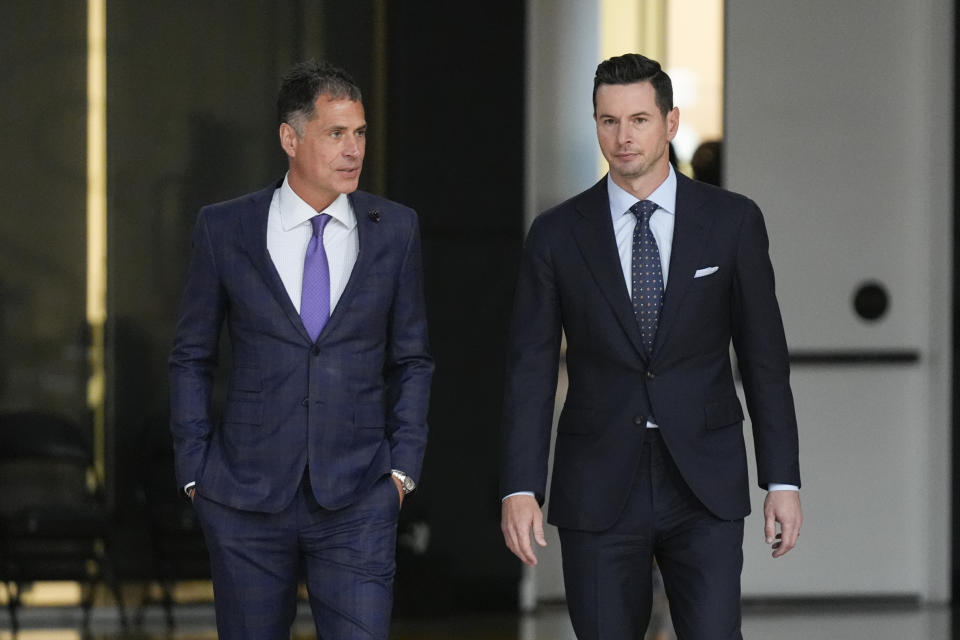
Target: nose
{"points": [[352, 148], [623, 134]]}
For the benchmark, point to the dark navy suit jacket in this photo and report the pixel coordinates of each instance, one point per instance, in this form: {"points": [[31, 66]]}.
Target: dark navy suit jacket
{"points": [[352, 405], [571, 280]]}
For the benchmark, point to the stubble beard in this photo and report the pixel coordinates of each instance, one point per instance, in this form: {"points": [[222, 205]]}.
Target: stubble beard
{"points": [[636, 169], [640, 167]]}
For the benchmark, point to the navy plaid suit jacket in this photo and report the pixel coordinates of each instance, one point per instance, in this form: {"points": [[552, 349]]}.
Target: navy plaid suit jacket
{"points": [[351, 405]]}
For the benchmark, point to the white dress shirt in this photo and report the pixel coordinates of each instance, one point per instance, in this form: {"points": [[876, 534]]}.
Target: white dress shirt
{"points": [[289, 231], [661, 223]]}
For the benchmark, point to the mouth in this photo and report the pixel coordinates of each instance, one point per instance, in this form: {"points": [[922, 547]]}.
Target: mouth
{"points": [[350, 172]]}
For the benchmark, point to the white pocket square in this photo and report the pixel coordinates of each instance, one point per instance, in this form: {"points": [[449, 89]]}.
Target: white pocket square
{"points": [[706, 271]]}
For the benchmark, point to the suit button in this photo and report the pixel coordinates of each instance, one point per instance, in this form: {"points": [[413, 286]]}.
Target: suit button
{"points": [[305, 402], [651, 375], [316, 350], [639, 420]]}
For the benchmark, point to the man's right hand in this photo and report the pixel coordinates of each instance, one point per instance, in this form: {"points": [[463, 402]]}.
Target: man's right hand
{"points": [[520, 514]]}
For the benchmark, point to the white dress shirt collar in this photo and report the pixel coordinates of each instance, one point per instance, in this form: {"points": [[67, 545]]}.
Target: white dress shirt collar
{"points": [[665, 196], [294, 211]]}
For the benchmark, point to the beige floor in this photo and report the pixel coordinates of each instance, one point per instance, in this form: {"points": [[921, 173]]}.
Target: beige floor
{"points": [[759, 623]]}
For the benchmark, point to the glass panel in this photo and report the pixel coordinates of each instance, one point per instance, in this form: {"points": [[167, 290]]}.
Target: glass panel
{"points": [[694, 60], [191, 121], [42, 231]]}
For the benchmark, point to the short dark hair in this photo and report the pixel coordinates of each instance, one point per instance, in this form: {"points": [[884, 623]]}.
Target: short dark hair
{"points": [[633, 67], [306, 82]]}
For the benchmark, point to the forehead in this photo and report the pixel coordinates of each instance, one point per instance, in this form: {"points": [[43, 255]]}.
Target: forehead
{"points": [[632, 98], [337, 112]]}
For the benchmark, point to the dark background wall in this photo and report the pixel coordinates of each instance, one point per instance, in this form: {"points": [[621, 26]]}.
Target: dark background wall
{"points": [[191, 120], [43, 224], [455, 153]]}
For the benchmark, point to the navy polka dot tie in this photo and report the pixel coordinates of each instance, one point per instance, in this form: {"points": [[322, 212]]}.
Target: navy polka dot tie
{"points": [[646, 291]]}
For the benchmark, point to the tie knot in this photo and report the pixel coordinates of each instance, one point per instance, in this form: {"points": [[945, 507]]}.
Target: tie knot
{"points": [[319, 222], [644, 209]]}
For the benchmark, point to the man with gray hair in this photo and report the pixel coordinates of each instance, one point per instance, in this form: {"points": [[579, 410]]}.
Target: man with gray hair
{"points": [[324, 427]]}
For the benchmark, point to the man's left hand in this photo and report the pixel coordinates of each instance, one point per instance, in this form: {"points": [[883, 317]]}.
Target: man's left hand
{"points": [[399, 488], [782, 508]]}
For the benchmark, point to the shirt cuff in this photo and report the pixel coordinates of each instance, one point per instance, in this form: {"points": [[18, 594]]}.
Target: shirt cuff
{"points": [[517, 493], [775, 486], [188, 486]]}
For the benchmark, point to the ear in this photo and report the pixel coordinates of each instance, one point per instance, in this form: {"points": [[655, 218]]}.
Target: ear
{"points": [[289, 140], [673, 122]]}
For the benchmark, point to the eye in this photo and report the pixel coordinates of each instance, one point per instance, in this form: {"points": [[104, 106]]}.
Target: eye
{"points": [[336, 133], [362, 133]]}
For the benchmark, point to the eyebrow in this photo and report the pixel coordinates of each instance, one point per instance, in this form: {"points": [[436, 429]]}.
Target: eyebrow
{"points": [[343, 127], [632, 115]]}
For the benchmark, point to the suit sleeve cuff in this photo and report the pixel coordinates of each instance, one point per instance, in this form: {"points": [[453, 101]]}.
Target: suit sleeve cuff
{"points": [[517, 493]]}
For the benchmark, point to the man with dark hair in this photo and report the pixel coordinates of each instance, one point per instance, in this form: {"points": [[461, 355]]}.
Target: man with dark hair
{"points": [[324, 427], [649, 275]]}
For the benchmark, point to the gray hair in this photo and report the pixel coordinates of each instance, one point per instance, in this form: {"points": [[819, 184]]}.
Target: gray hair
{"points": [[306, 82]]}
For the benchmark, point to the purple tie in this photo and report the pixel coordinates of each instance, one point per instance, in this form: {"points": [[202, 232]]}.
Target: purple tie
{"points": [[315, 295]]}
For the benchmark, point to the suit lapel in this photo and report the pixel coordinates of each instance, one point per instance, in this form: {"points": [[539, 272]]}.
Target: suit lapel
{"points": [[594, 236], [689, 239], [368, 219], [253, 223]]}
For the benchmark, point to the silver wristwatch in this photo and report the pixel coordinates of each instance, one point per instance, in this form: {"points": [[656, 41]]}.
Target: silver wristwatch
{"points": [[405, 481]]}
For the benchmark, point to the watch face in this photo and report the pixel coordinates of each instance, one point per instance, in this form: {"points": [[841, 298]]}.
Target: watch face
{"points": [[405, 481]]}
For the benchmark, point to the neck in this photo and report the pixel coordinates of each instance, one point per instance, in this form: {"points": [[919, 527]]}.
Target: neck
{"points": [[642, 186], [318, 201]]}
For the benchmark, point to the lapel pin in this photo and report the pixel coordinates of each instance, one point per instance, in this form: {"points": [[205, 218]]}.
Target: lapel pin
{"points": [[374, 214]]}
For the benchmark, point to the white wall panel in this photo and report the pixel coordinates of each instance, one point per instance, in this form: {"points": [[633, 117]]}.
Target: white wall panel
{"points": [[861, 465], [838, 117]]}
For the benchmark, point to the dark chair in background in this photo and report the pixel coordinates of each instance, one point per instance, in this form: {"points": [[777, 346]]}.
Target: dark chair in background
{"points": [[54, 524], [179, 551]]}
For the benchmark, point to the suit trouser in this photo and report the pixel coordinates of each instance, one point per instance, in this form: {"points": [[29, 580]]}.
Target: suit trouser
{"points": [[608, 574], [346, 556]]}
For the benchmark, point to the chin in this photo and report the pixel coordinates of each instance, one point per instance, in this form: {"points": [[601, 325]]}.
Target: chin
{"points": [[634, 171], [349, 186]]}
